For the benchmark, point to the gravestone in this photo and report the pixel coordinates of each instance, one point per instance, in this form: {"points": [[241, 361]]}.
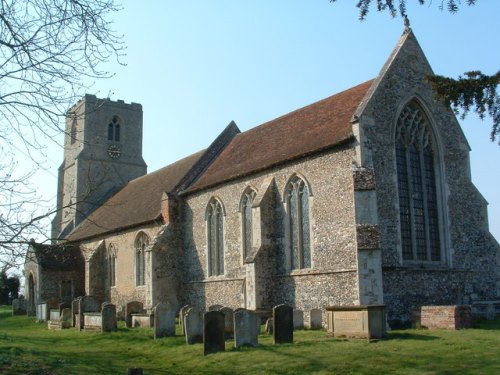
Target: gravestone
{"points": [[41, 312], [75, 309], [64, 305], [182, 315], [213, 332], [86, 304], [269, 326], [228, 321], [246, 328], [134, 307], [215, 307], [283, 324], [108, 315], [65, 318], [18, 306], [298, 319], [193, 326], [315, 319], [164, 320]]}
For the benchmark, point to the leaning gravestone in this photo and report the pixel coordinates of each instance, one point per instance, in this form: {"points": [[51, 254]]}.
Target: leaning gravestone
{"points": [[283, 324], [182, 315], [134, 307], [228, 321], [246, 328], [164, 320], [315, 319], [213, 332], [193, 326], [269, 326], [108, 317]]}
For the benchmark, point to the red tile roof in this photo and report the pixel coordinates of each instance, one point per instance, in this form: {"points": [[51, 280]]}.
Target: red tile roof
{"points": [[305, 131], [137, 203]]}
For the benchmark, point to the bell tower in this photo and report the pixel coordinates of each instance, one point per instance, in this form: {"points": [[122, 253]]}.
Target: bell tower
{"points": [[102, 153]]}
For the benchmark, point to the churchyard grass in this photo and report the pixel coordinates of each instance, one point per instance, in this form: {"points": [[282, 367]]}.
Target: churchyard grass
{"points": [[29, 348]]}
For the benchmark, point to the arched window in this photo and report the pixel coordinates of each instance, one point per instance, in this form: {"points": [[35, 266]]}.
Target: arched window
{"points": [[418, 206], [72, 134], [112, 265], [215, 237], [141, 242], [114, 129], [297, 202], [246, 220]]}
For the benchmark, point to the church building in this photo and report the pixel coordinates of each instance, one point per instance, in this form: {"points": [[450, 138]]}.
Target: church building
{"points": [[364, 197]]}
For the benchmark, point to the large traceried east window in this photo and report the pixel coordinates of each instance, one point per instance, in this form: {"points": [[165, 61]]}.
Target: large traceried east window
{"points": [[247, 220], [215, 237], [297, 202], [141, 242], [417, 188]]}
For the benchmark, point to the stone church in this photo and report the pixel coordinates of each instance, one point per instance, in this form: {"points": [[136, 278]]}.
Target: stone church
{"points": [[364, 197]]}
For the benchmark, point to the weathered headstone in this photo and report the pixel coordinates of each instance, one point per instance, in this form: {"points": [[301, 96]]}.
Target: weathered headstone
{"points": [[215, 307], [108, 314], [87, 304], [66, 315], [75, 309], [213, 332], [246, 328], [298, 319], [64, 305], [41, 312], [283, 324], [269, 326], [19, 306], [228, 321], [193, 326], [315, 319], [134, 307], [182, 315], [164, 320]]}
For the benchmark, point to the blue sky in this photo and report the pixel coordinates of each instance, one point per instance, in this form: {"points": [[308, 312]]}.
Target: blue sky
{"points": [[197, 65]]}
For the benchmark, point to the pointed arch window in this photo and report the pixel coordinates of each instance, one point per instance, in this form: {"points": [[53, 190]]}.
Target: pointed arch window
{"points": [[114, 129], [247, 220], [417, 190], [297, 202], [141, 242], [112, 265], [72, 134], [215, 237]]}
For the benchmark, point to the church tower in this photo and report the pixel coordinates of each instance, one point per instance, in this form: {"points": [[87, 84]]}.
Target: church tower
{"points": [[102, 153]]}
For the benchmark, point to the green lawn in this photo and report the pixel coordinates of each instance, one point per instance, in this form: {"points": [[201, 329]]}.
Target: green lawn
{"points": [[29, 348]]}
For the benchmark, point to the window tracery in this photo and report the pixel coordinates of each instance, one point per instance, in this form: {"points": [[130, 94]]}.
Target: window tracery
{"points": [[215, 238]]}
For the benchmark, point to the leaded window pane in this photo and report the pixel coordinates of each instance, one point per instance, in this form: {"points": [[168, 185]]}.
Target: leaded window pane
{"points": [[298, 219], [418, 209], [215, 240], [247, 222]]}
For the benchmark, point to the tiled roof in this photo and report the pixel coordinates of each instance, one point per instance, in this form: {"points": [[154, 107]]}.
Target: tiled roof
{"points": [[138, 202], [305, 131]]}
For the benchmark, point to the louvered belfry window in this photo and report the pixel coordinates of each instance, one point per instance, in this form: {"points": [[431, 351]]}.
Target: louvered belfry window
{"points": [[215, 238], [418, 206]]}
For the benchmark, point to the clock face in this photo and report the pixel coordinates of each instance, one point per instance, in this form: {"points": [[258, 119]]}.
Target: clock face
{"points": [[114, 151]]}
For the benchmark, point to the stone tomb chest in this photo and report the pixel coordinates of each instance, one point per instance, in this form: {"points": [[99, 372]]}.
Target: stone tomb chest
{"points": [[363, 321]]}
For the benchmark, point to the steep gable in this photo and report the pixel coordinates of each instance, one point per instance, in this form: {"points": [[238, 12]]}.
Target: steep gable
{"points": [[305, 131]]}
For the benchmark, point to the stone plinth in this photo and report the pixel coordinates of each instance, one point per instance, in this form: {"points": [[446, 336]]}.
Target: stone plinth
{"points": [[363, 321]]}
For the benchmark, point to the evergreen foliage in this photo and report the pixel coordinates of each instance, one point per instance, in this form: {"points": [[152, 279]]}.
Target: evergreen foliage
{"points": [[474, 90]]}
